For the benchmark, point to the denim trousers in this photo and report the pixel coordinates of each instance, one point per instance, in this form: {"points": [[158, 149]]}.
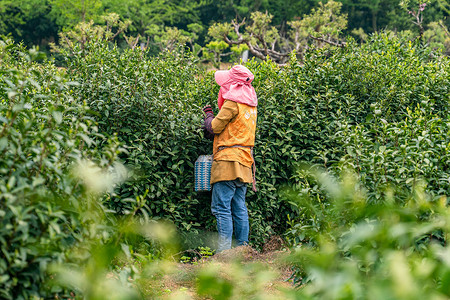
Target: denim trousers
{"points": [[228, 206]]}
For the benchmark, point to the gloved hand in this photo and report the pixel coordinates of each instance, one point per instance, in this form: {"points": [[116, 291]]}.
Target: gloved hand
{"points": [[208, 110], [206, 133], [207, 128]]}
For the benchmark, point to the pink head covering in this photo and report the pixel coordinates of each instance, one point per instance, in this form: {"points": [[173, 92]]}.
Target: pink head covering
{"points": [[236, 85]]}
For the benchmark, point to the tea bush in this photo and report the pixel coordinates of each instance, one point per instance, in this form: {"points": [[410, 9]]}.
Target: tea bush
{"points": [[153, 104], [359, 87], [384, 251], [353, 116], [43, 132], [379, 109], [400, 154], [153, 107]]}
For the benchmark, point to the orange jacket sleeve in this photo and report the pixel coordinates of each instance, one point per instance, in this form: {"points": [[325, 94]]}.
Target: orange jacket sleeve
{"points": [[229, 111]]}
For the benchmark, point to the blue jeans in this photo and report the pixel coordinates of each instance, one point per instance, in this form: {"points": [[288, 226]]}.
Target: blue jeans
{"points": [[228, 206]]}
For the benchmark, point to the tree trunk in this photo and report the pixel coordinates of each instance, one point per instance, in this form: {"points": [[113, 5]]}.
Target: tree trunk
{"points": [[374, 20], [83, 11]]}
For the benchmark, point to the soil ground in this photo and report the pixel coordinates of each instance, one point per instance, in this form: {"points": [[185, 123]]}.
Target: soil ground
{"points": [[248, 273]]}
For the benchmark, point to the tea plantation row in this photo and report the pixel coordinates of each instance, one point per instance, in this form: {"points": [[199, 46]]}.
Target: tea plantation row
{"points": [[379, 110], [367, 105]]}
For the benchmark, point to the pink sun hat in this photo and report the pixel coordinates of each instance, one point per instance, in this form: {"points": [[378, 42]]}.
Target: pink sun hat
{"points": [[236, 85]]}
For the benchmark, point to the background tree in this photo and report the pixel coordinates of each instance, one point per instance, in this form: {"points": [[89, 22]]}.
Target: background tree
{"points": [[230, 9], [263, 40], [68, 13], [27, 21], [84, 32], [144, 13], [37, 22], [326, 23], [370, 15], [162, 22]]}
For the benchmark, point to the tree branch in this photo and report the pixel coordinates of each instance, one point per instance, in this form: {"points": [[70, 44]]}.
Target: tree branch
{"points": [[255, 52], [337, 44], [236, 26], [447, 33]]}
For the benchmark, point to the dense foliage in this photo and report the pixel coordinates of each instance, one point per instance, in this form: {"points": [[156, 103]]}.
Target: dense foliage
{"points": [[367, 251], [37, 22], [378, 111], [44, 132], [156, 114]]}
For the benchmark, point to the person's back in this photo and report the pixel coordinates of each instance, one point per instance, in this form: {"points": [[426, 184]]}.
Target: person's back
{"points": [[234, 137]]}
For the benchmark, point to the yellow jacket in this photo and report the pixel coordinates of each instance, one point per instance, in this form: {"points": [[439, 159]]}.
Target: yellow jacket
{"points": [[234, 125]]}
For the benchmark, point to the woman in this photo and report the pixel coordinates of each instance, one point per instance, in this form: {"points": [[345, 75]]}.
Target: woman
{"points": [[233, 130]]}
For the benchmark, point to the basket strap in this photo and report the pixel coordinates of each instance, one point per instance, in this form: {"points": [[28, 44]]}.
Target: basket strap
{"points": [[253, 164]]}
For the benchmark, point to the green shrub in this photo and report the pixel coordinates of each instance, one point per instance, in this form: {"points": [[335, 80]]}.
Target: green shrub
{"points": [[153, 104], [380, 109], [43, 132], [154, 107], [384, 251], [368, 107], [400, 154]]}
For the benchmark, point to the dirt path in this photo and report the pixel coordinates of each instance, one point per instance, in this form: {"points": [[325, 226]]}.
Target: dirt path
{"points": [[237, 273]]}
